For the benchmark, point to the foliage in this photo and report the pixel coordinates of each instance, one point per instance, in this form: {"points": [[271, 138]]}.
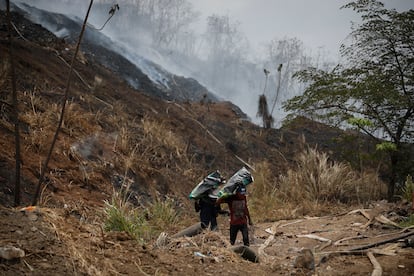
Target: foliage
{"points": [[360, 122], [408, 189], [375, 85], [142, 224], [120, 216], [408, 222], [386, 146]]}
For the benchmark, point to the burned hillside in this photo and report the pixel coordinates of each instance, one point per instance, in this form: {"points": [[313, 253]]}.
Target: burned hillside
{"points": [[109, 116]]}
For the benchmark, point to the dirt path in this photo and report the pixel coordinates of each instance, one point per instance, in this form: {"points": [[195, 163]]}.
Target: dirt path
{"points": [[68, 242]]}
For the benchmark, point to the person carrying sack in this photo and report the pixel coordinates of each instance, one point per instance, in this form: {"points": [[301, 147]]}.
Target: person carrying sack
{"points": [[239, 214], [208, 211]]}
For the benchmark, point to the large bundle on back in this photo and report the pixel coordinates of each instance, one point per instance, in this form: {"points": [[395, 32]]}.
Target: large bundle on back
{"points": [[207, 185], [241, 178]]}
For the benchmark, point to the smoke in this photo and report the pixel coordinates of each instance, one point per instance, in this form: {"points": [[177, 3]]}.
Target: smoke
{"points": [[147, 35]]}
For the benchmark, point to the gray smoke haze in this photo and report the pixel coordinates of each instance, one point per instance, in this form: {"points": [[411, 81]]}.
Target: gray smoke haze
{"points": [[224, 45]]}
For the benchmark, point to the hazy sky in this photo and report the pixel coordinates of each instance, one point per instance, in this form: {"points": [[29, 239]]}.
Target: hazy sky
{"points": [[315, 22]]}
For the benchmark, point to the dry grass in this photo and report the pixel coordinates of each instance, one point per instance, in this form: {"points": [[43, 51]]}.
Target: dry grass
{"points": [[242, 137], [156, 133], [263, 200], [316, 178], [153, 144], [42, 120], [80, 257], [408, 188], [76, 120], [310, 188]]}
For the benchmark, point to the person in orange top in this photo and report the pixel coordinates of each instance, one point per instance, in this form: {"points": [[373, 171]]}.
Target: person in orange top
{"points": [[239, 215]]}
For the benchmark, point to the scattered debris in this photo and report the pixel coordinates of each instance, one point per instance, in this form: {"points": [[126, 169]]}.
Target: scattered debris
{"points": [[305, 259], [315, 237], [246, 253], [11, 252], [411, 233], [162, 240], [190, 231], [377, 267]]}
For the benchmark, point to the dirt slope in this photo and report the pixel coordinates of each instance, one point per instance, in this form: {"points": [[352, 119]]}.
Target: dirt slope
{"points": [[68, 242]]}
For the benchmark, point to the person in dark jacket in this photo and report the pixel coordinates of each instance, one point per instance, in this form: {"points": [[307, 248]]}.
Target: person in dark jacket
{"points": [[239, 215], [208, 211]]}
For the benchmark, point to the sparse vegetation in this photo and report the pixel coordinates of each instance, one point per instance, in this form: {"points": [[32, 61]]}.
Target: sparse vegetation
{"points": [[316, 181], [317, 178], [263, 200], [122, 216], [372, 89], [161, 214], [409, 221], [142, 224], [408, 189]]}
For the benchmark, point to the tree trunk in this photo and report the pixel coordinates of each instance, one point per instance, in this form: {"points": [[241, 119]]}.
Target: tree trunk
{"points": [[15, 110], [393, 178]]}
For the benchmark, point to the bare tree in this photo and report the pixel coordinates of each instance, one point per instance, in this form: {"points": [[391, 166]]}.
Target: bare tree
{"points": [[15, 109], [226, 46]]}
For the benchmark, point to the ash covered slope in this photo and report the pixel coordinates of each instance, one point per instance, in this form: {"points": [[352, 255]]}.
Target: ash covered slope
{"points": [[171, 140], [138, 71]]}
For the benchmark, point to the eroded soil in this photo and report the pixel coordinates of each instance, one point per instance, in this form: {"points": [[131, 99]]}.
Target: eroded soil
{"points": [[70, 241]]}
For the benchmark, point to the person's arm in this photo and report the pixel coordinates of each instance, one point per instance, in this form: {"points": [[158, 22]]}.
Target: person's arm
{"points": [[197, 205], [248, 214]]}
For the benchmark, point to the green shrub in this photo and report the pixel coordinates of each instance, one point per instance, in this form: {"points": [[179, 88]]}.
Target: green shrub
{"points": [[408, 222], [408, 189], [121, 216], [142, 224]]}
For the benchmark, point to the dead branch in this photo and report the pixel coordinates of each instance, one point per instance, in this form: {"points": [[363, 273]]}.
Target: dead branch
{"points": [[384, 220], [315, 237], [377, 267], [272, 229], [362, 211], [371, 219], [358, 252], [260, 251], [383, 242], [76, 72], [338, 242], [328, 243]]}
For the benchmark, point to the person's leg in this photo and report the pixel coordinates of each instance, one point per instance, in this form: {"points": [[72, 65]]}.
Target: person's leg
{"points": [[233, 233], [213, 223], [245, 233], [204, 218], [213, 220]]}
